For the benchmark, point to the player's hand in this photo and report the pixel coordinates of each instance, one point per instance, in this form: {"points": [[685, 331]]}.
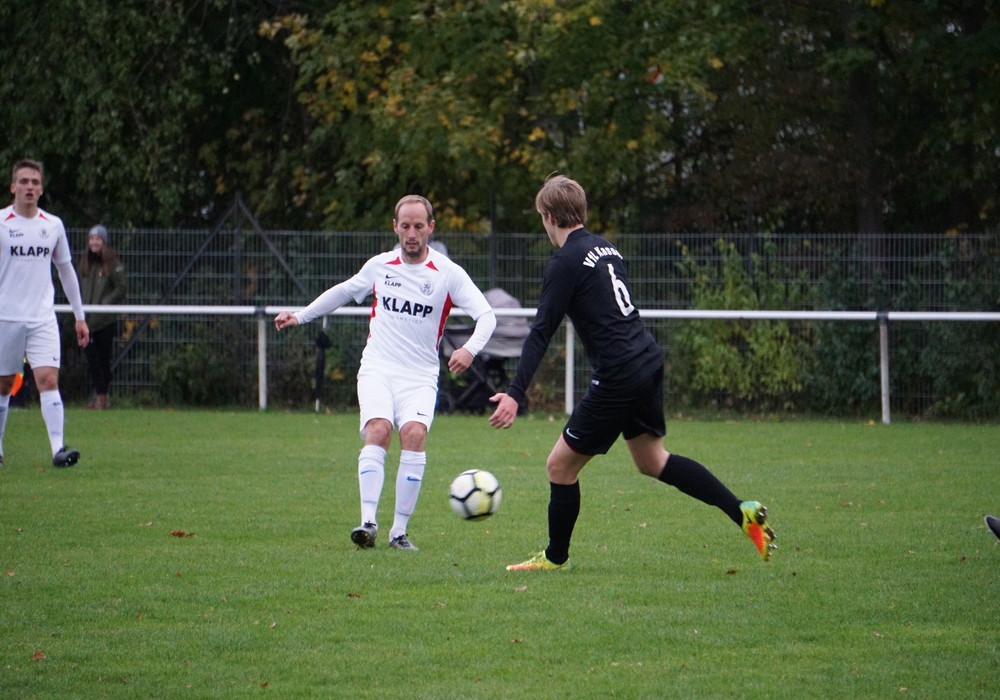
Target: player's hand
{"points": [[460, 360], [285, 319], [82, 334], [506, 411]]}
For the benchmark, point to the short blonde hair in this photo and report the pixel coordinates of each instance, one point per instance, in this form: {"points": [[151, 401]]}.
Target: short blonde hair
{"points": [[26, 163], [564, 199], [411, 198]]}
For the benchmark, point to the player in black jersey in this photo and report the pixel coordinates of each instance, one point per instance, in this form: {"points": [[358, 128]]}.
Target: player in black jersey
{"points": [[586, 281]]}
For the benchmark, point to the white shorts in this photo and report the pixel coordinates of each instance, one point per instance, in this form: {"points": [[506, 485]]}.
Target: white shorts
{"points": [[38, 341], [399, 399]]}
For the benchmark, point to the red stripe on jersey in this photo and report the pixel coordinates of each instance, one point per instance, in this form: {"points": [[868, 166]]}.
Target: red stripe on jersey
{"points": [[448, 306]]}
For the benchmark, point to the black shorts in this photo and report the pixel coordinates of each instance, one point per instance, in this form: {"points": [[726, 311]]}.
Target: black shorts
{"points": [[606, 411]]}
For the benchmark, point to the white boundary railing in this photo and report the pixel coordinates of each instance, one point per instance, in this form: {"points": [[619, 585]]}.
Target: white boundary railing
{"points": [[265, 315]]}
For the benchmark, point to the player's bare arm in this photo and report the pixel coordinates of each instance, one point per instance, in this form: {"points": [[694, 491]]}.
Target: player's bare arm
{"points": [[505, 412], [285, 319]]}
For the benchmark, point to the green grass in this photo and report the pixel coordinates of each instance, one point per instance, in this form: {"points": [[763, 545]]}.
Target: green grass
{"points": [[886, 582]]}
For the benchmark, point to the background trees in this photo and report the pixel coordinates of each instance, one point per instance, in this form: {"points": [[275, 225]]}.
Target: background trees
{"points": [[864, 115], [144, 113]]}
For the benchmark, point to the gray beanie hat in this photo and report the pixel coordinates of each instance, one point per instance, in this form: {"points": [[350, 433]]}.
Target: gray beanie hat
{"points": [[99, 230]]}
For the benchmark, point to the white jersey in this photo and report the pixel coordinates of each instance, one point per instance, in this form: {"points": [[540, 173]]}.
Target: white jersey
{"points": [[28, 249], [412, 303]]}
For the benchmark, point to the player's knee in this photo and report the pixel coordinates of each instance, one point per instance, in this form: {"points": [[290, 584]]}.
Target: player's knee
{"points": [[46, 379], [378, 431], [413, 436]]}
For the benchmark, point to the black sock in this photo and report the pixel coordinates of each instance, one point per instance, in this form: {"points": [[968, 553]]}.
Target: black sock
{"points": [[693, 479], [564, 507]]}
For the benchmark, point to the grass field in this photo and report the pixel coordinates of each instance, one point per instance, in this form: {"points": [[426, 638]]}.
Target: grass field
{"points": [[886, 583]]}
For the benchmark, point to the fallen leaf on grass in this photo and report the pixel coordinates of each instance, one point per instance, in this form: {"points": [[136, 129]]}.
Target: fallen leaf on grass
{"points": [[181, 533], [37, 656], [10, 573]]}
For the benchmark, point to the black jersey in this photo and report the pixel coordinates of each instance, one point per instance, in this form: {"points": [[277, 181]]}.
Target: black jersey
{"points": [[586, 281]]}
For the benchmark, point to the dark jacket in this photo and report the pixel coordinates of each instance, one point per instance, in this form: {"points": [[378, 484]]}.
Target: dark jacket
{"points": [[98, 289]]}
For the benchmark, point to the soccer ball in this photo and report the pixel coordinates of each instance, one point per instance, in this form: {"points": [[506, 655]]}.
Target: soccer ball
{"points": [[475, 494]]}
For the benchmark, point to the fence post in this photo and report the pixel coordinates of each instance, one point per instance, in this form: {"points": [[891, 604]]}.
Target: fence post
{"points": [[883, 351], [261, 358]]}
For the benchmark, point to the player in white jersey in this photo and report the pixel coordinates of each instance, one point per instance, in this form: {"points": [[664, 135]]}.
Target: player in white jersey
{"points": [[31, 241], [415, 288]]}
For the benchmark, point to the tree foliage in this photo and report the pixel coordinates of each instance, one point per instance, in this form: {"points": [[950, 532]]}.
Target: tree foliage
{"points": [[755, 363], [869, 115], [473, 104], [144, 113]]}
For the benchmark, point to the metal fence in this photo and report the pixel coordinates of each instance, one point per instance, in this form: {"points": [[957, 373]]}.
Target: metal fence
{"points": [[187, 358]]}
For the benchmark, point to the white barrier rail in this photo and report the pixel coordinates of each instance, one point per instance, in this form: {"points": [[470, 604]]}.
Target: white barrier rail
{"points": [[265, 315]]}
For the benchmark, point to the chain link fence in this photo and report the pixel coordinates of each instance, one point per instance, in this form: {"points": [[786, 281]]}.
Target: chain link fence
{"points": [[203, 359]]}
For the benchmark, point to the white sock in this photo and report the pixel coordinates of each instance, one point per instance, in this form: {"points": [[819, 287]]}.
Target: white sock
{"points": [[54, 417], [371, 476], [409, 478], [4, 408]]}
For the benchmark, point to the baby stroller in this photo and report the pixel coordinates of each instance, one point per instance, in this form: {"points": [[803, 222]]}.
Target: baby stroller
{"points": [[471, 391]]}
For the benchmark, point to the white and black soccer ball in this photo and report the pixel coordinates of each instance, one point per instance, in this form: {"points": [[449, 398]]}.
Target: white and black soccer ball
{"points": [[475, 494]]}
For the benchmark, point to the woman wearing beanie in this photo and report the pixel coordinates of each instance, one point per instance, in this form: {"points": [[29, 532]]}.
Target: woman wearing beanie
{"points": [[102, 281]]}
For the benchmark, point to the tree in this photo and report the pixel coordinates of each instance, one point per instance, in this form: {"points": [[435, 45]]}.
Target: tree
{"points": [[474, 104], [144, 113], [869, 116]]}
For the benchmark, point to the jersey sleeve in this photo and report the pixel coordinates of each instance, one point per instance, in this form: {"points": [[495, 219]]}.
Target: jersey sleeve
{"points": [[357, 288], [557, 290], [466, 295]]}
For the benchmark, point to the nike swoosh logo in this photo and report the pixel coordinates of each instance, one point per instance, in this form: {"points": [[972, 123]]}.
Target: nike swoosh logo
{"points": [[570, 433], [412, 478], [421, 414]]}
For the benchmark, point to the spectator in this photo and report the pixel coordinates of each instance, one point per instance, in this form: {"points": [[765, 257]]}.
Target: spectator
{"points": [[102, 281]]}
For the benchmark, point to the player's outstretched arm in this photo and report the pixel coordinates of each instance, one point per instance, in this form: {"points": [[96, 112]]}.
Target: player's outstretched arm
{"points": [[506, 411], [285, 319]]}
